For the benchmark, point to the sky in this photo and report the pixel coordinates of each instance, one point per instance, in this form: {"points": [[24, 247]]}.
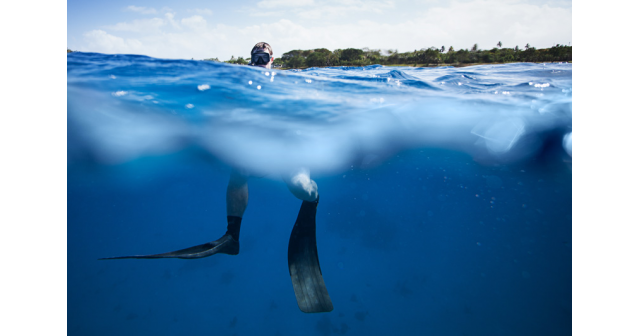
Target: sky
{"points": [[206, 29]]}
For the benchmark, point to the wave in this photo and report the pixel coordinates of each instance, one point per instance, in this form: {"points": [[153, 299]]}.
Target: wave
{"points": [[121, 107]]}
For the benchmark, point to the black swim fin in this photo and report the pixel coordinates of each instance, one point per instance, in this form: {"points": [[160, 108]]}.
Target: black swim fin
{"points": [[227, 245], [304, 266]]}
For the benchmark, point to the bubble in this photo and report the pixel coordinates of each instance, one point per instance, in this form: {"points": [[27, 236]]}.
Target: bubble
{"points": [[567, 143], [259, 87]]}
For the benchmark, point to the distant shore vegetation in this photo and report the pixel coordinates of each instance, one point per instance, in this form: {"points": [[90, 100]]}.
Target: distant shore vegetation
{"points": [[322, 57]]}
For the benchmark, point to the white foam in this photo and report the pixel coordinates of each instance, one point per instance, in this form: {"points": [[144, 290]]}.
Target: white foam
{"points": [[324, 128]]}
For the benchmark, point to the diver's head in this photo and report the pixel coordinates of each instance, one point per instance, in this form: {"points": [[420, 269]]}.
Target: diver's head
{"points": [[261, 55]]}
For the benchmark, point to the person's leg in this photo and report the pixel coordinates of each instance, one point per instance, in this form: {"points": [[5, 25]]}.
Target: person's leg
{"points": [[301, 185], [237, 200]]}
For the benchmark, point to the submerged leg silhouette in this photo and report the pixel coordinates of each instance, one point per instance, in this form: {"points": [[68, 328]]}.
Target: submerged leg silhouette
{"points": [[304, 267], [237, 200], [227, 244]]}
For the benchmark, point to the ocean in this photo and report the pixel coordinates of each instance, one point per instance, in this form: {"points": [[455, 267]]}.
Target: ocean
{"points": [[445, 197]]}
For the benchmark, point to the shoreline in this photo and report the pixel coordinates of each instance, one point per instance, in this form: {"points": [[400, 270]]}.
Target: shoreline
{"points": [[455, 65]]}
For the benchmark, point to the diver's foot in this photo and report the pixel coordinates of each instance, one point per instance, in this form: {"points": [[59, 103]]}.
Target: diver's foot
{"points": [[227, 244]]}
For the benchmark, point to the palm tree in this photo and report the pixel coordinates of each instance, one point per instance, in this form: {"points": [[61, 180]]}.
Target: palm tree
{"points": [[442, 49], [527, 46], [475, 47], [499, 44]]}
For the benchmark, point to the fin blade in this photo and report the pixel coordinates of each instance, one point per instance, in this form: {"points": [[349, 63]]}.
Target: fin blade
{"points": [[222, 245], [304, 266]]}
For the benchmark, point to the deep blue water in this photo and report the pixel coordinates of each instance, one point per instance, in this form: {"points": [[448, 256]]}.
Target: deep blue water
{"points": [[445, 197]]}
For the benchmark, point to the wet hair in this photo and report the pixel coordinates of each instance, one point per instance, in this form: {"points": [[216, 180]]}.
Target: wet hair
{"points": [[261, 46]]}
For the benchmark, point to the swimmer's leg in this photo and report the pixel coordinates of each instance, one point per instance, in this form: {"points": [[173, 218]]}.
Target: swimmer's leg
{"points": [[304, 266], [237, 200]]}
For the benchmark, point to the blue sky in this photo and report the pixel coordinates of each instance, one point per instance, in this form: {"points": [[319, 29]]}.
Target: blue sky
{"points": [[203, 29]]}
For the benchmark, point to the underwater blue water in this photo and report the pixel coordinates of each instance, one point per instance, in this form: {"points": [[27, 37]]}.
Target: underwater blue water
{"points": [[445, 197]]}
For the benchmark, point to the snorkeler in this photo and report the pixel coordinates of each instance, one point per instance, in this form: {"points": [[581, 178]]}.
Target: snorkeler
{"points": [[304, 267]]}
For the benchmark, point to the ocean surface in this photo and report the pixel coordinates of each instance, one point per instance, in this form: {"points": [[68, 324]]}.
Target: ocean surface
{"points": [[445, 203]]}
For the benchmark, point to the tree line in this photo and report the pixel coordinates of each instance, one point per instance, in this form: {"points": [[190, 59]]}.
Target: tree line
{"points": [[322, 57]]}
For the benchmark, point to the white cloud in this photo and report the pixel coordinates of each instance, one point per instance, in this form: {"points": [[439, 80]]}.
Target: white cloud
{"points": [[195, 22], [173, 22], [142, 10], [139, 26], [459, 24], [101, 41]]}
